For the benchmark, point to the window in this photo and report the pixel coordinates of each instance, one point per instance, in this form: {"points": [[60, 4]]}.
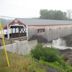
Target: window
{"points": [[40, 30]]}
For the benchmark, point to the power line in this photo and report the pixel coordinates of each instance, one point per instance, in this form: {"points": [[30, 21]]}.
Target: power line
{"points": [[7, 17]]}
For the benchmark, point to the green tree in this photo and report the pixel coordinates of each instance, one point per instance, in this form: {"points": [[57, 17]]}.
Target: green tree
{"points": [[53, 14]]}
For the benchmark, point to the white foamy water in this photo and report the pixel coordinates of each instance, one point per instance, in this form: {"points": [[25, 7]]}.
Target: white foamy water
{"points": [[59, 43]]}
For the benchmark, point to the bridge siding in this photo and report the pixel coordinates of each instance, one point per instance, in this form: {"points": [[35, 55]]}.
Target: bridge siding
{"points": [[50, 34]]}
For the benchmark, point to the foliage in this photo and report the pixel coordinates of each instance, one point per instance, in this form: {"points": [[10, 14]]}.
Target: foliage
{"points": [[57, 66], [46, 54], [20, 63], [50, 57], [36, 67], [53, 14], [37, 52]]}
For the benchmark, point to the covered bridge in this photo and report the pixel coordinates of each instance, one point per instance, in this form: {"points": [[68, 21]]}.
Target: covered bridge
{"points": [[48, 29]]}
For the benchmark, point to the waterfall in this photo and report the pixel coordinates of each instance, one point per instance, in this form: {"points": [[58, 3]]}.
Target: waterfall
{"points": [[58, 42]]}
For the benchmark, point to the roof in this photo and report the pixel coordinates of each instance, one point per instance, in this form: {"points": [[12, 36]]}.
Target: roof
{"points": [[43, 21], [16, 21], [32, 21]]}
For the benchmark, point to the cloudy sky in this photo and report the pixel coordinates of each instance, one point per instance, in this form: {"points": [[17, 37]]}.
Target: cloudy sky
{"points": [[31, 8]]}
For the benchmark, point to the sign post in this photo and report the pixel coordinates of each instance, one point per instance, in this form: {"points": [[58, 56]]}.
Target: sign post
{"points": [[3, 41]]}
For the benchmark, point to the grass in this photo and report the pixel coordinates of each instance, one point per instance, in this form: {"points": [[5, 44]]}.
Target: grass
{"points": [[19, 63], [59, 67], [53, 65], [52, 58]]}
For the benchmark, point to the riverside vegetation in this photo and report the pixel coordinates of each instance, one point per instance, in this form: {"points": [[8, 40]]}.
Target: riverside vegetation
{"points": [[41, 59]]}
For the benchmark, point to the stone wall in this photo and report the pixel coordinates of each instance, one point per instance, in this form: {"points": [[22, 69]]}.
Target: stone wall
{"points": [[21, 47]]}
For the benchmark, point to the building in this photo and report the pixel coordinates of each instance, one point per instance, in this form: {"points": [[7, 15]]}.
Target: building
{"points": [[49, 29]]}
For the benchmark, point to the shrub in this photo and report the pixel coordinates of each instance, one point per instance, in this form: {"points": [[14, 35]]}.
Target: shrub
{"points": [[37, 52], [46, 54], [51, 54]]}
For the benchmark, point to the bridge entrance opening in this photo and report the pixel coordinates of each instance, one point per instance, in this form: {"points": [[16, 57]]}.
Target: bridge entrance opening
{"points": [[17, 31]]}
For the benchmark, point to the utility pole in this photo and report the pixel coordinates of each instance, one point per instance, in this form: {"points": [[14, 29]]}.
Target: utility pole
{"points": [[4, 46]]}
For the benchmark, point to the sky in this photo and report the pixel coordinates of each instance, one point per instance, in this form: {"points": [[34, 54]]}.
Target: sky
{"points": [[31, 8]]}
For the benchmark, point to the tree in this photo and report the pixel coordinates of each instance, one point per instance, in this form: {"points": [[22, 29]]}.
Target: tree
{"points": [[53, 14]]}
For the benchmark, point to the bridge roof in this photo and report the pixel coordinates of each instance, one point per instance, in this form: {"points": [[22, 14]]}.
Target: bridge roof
{"points": [[32, 21], [43, 21]]}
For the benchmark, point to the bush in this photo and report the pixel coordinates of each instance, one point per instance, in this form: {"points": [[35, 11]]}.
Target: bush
{"points": [[51, 54], [46, 54], [37, 52]]}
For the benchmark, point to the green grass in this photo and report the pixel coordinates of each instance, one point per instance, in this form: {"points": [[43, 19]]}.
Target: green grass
{"points": [[51, 57], [20, 63], [57, 66], [17, 62]]}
